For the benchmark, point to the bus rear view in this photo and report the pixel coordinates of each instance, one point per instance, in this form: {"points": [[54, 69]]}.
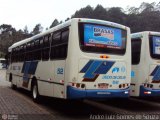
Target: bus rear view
{"points": [[145, 64], [102, 60], [81, 58]]}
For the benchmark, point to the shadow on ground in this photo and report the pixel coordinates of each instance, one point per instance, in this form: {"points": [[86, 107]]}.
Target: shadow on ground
{"points": [[70, 109]]}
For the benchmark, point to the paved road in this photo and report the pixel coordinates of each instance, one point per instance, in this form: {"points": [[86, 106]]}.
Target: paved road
{"points": [[18, 104]]}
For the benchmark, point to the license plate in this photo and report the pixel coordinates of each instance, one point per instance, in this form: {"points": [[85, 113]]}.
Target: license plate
{"points": [[102, 85]]}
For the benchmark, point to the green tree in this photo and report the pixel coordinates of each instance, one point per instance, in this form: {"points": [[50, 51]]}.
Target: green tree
{"points": [[37, 29], [54, 23], [86, 12], [25, 30]]}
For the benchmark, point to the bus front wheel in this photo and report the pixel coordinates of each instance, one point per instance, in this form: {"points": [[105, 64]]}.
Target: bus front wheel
{"points": [[35, 93], [14, 87]]}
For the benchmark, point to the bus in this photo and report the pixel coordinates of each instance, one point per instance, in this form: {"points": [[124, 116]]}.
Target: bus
{"points": [[3, 63], [81, 58], [145, 80]]}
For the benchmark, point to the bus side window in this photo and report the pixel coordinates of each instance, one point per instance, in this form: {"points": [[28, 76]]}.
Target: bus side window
{"points": [[12, 55], [59, 45], [46, 41], [136, 50], [28, 52], [41, 42], [17, 54], [54, 45], [46, 46], [21, 53], [24, 47], [41, 46], [64, 39], [32, 46], [37, 44], [32, 50], [65, 35], [56, 38], [37, 52]]}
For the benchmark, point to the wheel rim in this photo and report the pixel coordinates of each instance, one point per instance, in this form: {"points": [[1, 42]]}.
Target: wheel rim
{"points": [[12, 85], [35, 92]]}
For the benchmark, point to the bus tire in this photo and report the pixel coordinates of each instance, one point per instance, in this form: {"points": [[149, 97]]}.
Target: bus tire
{"points": [[35, 93], [13, 86]]}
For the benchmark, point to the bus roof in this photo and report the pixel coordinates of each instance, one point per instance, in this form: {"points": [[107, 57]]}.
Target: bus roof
{"points": [[68, 23], [38, 35], [140, 34]]}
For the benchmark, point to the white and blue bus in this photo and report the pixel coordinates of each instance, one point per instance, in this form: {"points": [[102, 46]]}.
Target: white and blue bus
{"points": [[81, 58], [145, 64]]}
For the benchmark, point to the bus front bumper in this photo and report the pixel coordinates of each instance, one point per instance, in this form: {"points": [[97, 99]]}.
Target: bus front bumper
{"points": [[74, 93], [149, 92]]}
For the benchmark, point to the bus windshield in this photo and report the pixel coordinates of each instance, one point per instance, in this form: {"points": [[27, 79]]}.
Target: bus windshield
{"points": [[102, 39], [155, 46]]}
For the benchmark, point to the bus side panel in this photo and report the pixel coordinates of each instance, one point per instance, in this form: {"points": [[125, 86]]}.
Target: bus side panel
{"points": [[72, 56], [141, 70], [51, 83], [45, 77], [16, 71], [135, 80], [59, 72]]}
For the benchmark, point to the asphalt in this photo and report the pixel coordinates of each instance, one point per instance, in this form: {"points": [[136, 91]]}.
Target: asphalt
{"points": [[17, 104]]}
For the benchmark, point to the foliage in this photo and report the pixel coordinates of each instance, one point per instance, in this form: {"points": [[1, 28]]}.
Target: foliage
{"points": [[54, 23], [9, 35], [142, 18], [37, 29], [145, 17]]}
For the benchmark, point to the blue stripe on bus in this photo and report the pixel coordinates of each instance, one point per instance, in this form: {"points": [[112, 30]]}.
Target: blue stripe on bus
{"points": [[85, 68], [29, 67], [156, 76], [132, 74], [154, 92], [96, 67], [74, 93], [33, 67], [155, 70], [104, 67], [90, 72], [26, 68]]}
